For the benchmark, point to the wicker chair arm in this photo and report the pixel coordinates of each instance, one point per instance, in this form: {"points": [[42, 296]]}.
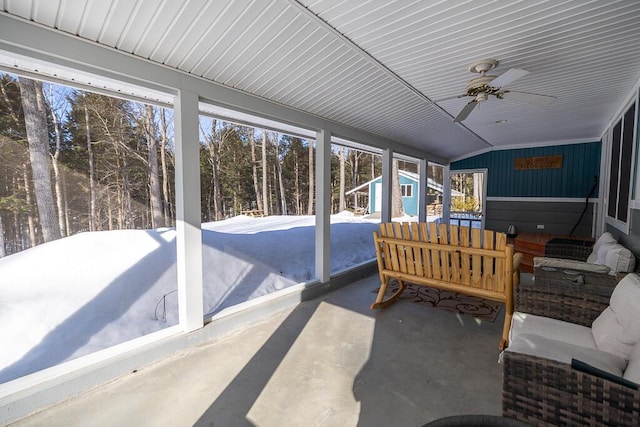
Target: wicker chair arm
{"points": [[548, 392], [561, 303]]}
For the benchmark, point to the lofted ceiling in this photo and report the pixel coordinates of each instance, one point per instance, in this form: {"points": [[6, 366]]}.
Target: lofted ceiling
{"points": [[389, 67]]}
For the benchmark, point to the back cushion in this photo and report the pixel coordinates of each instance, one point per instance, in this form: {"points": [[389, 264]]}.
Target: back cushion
{"points": [[617, 329], [600, 249], [620, 259], [632, 373]]}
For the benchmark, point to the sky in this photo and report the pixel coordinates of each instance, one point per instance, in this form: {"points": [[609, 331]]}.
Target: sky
{"points": [[73, 296]]}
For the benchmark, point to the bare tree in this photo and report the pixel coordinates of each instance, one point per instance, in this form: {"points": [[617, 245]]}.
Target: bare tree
{"points": [[254, 168], [92, 169], [165, 167], [155, 199], [283, 198], [55, 162], [35, 117], [265, 188], [341, 203], [311, 181], [396, 193]]}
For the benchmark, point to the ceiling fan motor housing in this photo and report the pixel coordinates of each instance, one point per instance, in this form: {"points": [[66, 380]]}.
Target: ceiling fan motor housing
{"points": [[481, 85]]}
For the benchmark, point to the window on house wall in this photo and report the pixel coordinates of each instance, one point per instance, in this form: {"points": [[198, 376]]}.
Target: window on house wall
{"points": [[622, 139], [407, 190]]}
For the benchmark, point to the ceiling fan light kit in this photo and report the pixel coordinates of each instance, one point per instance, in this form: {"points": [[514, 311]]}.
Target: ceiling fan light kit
{"points": [[480, 88]]}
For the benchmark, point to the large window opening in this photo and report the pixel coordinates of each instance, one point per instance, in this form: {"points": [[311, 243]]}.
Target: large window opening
{"points": [[87, 206], [356, 197], [622, 138], [258, 211]]}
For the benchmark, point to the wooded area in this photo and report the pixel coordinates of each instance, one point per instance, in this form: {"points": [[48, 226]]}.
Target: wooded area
{"points": [[73, 161]]}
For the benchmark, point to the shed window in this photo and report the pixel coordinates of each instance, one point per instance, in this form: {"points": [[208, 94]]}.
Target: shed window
{"points": [[407, 190]]}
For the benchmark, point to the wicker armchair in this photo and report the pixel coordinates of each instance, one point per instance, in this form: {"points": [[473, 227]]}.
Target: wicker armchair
{"points": [[576, 249], [542, 391]]}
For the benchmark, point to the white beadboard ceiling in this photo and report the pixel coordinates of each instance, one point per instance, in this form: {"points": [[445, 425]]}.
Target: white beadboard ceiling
{"points": [[384, 66]]}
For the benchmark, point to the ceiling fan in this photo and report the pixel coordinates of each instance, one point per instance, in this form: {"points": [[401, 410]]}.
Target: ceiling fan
{"points": [[480, 88]]}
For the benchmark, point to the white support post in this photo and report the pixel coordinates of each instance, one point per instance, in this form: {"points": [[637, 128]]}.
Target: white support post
{"points": [[446, 194], [188, 232], [387, 184], [422, 190], [323, 200]]}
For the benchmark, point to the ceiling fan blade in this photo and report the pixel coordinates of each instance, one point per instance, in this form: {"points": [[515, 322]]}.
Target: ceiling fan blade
{"points": [[450, 98], [527, 97], [508, 77], [466, 111]]}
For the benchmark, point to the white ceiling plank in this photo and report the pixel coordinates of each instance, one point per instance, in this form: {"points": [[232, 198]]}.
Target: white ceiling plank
{"points": [[94, 16], [249, 46], [21, 8], [45, 11], [120, 12]]}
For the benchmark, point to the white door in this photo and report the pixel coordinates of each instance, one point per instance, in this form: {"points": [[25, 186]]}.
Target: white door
{"points": [[378, 197]]}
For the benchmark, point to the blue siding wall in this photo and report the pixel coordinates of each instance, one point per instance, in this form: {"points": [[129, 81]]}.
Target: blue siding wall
{"points": [[580, 163], [409, 204]]}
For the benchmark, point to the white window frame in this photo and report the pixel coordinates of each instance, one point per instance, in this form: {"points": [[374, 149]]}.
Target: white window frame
{"points": [[607, 157], [406, 190]]}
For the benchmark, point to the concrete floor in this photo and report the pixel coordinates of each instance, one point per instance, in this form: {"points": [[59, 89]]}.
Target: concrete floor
{"points": [[327, 362]]}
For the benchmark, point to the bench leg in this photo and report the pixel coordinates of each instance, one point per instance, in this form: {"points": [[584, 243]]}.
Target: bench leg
{"points": [[381, 302], [505, 330]]}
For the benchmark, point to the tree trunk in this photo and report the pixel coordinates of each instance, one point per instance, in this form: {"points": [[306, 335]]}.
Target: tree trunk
{"points": [[3, 251], [283, 199], [35, 117], [296, 170], [56, 174], [157, 218], [265, 188], [341, 205], [92, 170], [27, 192], [215, 173], [373, 166], [165, 169], [254, 170], [396, 193], [312, 178]]}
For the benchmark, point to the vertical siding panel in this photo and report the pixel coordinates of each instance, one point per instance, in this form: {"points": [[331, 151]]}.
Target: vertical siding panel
{"points": [[580, 163]]}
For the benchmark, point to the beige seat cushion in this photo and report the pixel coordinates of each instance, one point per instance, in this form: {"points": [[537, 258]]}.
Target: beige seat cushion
{"points": [[540, 346], [524, 323], [569, 264]]}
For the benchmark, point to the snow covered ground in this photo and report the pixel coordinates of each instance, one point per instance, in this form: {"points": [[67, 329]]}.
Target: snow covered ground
{"points": [[77, 295]]}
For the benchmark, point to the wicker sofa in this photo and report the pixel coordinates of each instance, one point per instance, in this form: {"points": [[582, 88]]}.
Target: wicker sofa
{"points": [[605, 256], [569, 366]]}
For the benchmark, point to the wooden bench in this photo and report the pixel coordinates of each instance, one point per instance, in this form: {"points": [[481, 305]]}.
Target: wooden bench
{"points": [[456, 259]]}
